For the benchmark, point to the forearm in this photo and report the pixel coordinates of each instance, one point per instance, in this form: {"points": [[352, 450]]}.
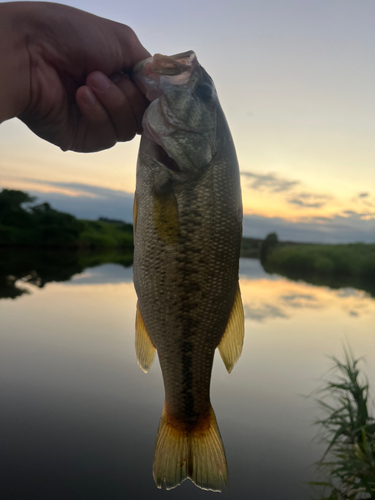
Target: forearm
{"points": [[14, 62]]}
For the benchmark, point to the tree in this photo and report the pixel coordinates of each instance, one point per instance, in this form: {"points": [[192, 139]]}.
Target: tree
{"points": [[12, 213], [268, 244], [34, 224]]}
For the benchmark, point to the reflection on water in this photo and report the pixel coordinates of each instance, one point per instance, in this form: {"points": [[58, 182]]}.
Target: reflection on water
{"points": [[39, 267], [336, 281], [286, 299], [79, 418]]}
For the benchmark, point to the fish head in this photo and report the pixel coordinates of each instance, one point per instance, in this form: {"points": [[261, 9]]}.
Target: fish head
{"points": [[182, 115]]}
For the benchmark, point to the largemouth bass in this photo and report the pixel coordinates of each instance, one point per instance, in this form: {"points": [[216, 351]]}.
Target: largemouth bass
{"points": [[188, 226]]}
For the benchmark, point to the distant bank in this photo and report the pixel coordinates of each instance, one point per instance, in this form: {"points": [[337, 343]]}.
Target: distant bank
{"points": [[24, 223], [336, 266]]}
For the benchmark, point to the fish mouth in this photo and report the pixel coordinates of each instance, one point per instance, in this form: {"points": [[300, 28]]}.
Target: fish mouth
{"points": [[167, 65], [176, 69], [174, 65]]}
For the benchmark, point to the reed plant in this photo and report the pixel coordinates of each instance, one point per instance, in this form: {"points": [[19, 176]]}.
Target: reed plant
{"points": [[349, 431]]}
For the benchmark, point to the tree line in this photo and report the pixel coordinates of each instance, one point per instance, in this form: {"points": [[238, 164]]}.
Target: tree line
{"points": [[25, 222]]}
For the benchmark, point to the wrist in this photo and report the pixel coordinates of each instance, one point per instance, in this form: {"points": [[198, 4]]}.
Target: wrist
{"points": [[14, 61]]}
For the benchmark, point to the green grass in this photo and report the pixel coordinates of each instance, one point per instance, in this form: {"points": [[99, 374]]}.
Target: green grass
{"points": [[349, 431], [98, 234], [356, 258]]}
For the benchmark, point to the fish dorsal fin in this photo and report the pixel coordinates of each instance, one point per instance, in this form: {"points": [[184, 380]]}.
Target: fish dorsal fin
{"points": [[230, 346], [135, 214], [144, 348]]}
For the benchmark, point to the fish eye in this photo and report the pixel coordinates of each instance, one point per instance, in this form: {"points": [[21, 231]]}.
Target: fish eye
{"points": [[204, 92]]}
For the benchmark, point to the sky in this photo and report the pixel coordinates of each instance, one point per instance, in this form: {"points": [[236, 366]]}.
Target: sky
{"points": [[296, 81]]}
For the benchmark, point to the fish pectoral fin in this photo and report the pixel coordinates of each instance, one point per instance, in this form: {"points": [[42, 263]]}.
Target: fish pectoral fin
{"points": [[144, 348], [135, 214], [166, 217], [230, 346], [196, 453]]}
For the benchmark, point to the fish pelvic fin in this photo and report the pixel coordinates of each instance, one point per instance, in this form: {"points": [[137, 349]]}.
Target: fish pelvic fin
{"points": [[144, 348], [197, 454], [230, 346]]}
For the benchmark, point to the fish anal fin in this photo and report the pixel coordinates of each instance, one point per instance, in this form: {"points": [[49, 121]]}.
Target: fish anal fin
{"points": [[197, 454], [144, 348], [230, 346]]}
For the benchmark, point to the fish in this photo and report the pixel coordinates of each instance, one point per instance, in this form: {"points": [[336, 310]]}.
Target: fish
{"points": [[187, 237]]}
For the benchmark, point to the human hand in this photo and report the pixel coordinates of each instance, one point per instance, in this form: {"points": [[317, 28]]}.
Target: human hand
{"points": [[72, 89]]}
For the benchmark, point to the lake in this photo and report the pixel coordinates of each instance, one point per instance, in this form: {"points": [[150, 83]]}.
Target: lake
{"points": [[79, 418]]}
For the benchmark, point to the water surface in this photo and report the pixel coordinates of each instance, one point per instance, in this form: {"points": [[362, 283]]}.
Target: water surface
{"points": [[79, 418]]}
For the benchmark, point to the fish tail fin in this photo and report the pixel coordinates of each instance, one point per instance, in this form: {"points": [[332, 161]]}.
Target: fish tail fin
{"points": [[197, 454]]}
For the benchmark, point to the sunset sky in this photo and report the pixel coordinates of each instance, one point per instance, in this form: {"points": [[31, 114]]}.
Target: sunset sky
{"points": [[296, 81]]}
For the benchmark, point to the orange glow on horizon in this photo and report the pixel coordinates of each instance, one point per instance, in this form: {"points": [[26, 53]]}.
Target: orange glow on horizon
{"points": [[45, 188]]}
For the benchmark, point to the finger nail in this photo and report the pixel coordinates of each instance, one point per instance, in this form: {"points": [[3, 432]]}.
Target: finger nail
{"points": [[99, 81], [88, 98]]}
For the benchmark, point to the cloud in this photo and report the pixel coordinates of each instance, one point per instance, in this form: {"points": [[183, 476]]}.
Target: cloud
{"points": [[365, 199], [269, 182], [97, 191], [310, 200], [300, 296], [304, 204], [262, 312], [338, 229], [350, 212], [354, 214], [359, 215], [300, 300], [91, 202], [351, 292], [354, 314]]}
